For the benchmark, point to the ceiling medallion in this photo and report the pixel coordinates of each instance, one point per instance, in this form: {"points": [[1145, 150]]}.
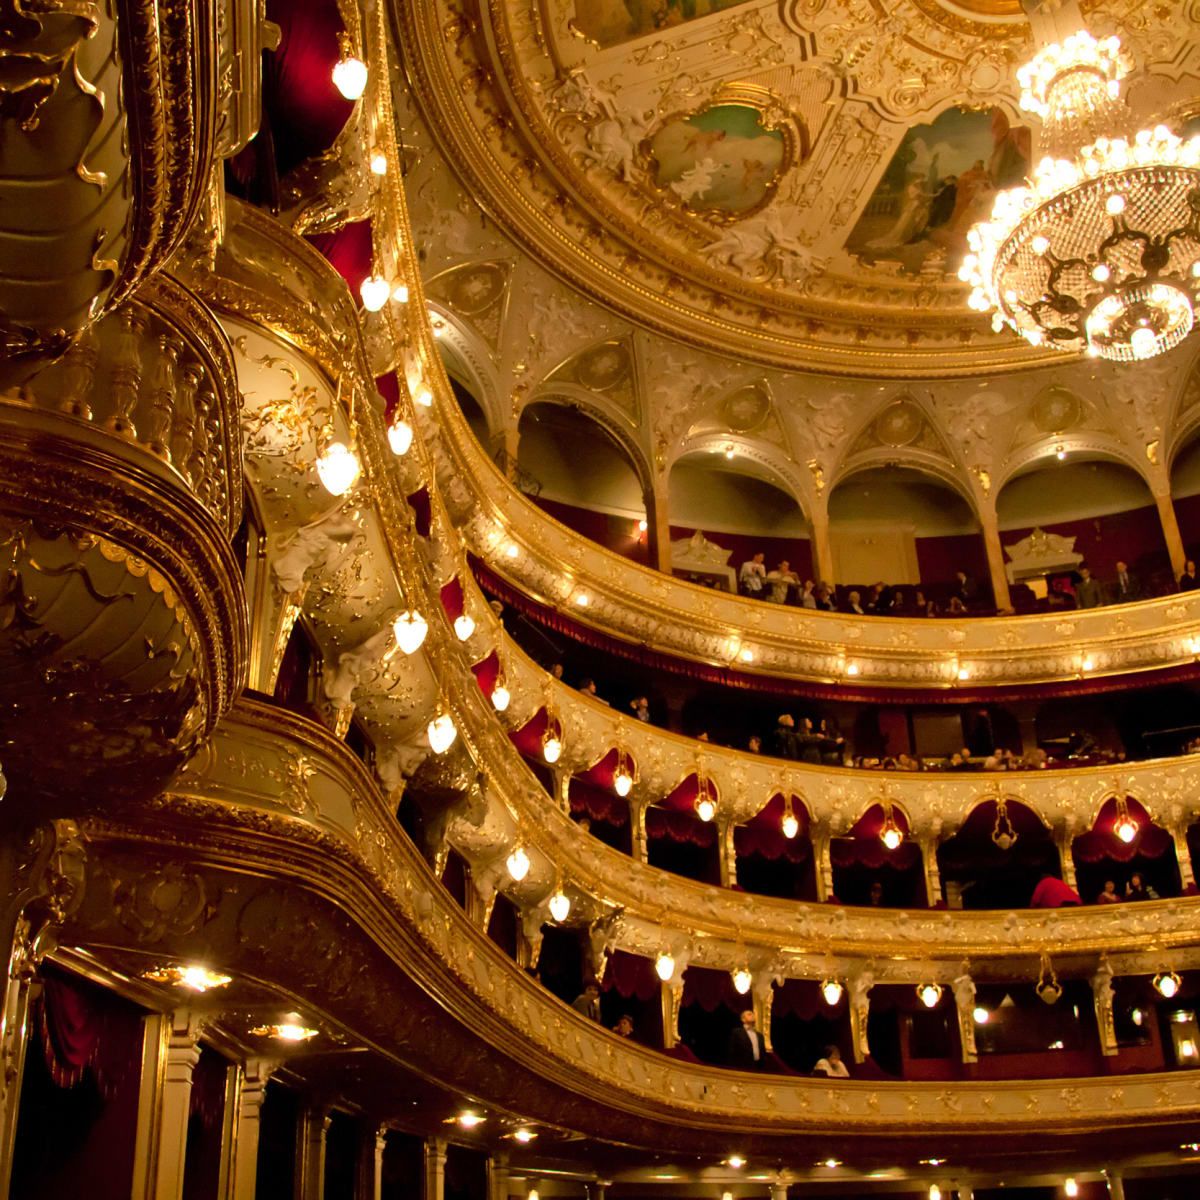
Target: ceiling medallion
{"points": [[1100, 249]]}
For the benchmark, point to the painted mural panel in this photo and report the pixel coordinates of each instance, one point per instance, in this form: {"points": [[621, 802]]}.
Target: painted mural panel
{"points": [[609, 22], [722, 159], [942, 179]]}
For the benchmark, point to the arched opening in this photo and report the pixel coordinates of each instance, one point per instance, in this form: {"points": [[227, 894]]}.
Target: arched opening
{"points": [[1106, 508], [773, 853], [579, 473], [997, 858], [472, 410], [1126, 848], [910, 530], [1185, 493], [739, 510]]}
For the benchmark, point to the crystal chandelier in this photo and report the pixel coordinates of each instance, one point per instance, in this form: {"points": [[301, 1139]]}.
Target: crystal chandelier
{"points": [[1100, 249]]}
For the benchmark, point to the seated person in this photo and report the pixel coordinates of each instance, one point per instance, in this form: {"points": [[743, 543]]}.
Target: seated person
{"points": [[1138, 889], [875, 896], [1109, 894], [754, 744], [1187, 581], [641, 709], [624, 1026], [831, 1065], [746, 1051], [854, 605], [881, 599], [824, 596]]}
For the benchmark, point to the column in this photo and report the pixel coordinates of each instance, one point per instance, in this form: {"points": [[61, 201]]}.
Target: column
{"points": [[1116, 1185], [252, 1091], [179, 1061], [19, 978], [638, 816], [497, 1168], [727, 854], [1171, 534], [822, 548], [824, 865], [964, 1006], [597, 1189], [1183, 854], [764, 1000], [995, 559], [372, 1142], [933, 879], [860, 1004], [1102, 998], [672, 1000], [435, 1169], [965, 1191], [658, 528], [1063, 839], [310, 1153], [779, 1190]]}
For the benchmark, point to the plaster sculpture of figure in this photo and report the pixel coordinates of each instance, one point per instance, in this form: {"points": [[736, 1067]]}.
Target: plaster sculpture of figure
{"points": [[318, 544], [353, 665]]}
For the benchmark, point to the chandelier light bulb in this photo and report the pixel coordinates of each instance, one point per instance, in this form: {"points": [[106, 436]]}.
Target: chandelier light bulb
{"points": [[350, 73], [935, 1192], [852, 668], [664, 967], [400, 293], [831, 992], [464, 626], [338, 468], [891, 836], [552, 748], [706, 809], [736, 1161], [378, 162], [518, 864], [1126, 829], [790, 825], [400, 437], [423, 396], [560, 906], [742, 982], [410, 629], [524, 1136], [442, 732], [500, 697], [623, 783], [468, 1120], [929, 994], [1070, 1188], [374, 291], [1167, 984], [981, 1015]]}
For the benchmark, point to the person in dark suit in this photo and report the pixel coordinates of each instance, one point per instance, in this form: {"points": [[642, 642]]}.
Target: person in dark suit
{"points": [[747, 1051], [783, 738], [965, 588], [1187, 581], [1125, 586], [1088, 592]]}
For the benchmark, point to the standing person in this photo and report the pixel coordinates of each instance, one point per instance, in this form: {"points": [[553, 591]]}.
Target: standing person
{"points": [[1088, 592], [746, 1051], [964, 588], [753, 576], [1187, 581], [1125, 587], [808, 594], [588, 1001], [781, 580]]}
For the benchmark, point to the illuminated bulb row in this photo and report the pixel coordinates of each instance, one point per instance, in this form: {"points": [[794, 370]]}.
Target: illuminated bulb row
{"points": [[375, 291]]}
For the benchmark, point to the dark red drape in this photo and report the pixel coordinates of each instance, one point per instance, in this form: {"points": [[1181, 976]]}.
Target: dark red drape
{"points": [[349, 251], [452, 599], [528, 739], [711, 989], [679, 827], [422, 511], [631, 976], [1101, 841], [487, 671], [763, 835], [598, 804], [388, 386]]}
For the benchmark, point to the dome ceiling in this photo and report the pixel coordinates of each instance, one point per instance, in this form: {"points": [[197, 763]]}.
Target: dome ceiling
{"points": [[788, 180]]}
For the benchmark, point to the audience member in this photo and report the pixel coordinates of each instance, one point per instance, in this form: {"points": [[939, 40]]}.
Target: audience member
{"points": [[783, 739], [1088, 592], [831, 1064], [1138, 889], [624, 1026], [746, 1050], [880, 601], [753, 576], [1187, 581], [824, 596], [854, 604], [875, 898], [588, 1002], [641, 709], [781, 580], [956, 608], [964, 588], [808, 594], [1125, 586], [588, 688], [754, 744], [1109, 894]]}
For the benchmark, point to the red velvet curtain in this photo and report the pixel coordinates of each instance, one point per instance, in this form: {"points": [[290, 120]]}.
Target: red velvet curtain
{"points": [[452, 598], [762, 834], [631, 976], [388, 387], [711, 989], [1101, 841], [872, 853], [601, 774], [486, 672], [802, 998], [528, 739], [597, 803], [207, 1103], [679, 827], [349, 251], [972, 845], [422, 511]]}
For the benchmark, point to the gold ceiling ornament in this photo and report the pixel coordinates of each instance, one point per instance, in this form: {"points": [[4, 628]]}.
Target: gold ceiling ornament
{"points": [[1100, 250], [1048, 988]]}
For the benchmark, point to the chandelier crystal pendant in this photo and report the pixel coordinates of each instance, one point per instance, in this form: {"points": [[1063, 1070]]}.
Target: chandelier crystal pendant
{"points": [[1100, 249]]}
